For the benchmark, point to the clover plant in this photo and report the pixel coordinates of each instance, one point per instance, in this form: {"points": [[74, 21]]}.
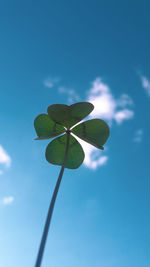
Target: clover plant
{"points": [[65, 150]]}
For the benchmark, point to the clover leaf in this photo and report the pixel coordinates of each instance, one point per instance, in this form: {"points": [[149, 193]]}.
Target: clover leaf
{"points": [[62, 119], [61, 122]]}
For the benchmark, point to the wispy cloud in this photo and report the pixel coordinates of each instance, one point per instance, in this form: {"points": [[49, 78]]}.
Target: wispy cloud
{"points": [[7, 200], [4, 157], [106, 106], [71, 94], [138, 136], [109, 108], [1, 172], [50, 82], [145, 84]]}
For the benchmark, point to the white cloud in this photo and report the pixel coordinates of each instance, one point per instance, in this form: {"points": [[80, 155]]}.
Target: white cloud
{"points": [[50, 82], [4, 157], [7, 200], [145, 84], [106, 106], [124, 114], [71, 94], [138, 136]]}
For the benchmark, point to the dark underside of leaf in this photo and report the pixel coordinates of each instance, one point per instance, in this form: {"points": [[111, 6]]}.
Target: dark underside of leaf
{"points": [[56, 149], [95, 132], [46, 128], [69, 115]]}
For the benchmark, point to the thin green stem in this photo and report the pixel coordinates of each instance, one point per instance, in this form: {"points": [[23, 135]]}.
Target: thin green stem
{"points": [[51, 208]]}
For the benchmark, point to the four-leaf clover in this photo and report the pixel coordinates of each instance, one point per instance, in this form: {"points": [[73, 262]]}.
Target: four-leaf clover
{"points": [[61, 120]]}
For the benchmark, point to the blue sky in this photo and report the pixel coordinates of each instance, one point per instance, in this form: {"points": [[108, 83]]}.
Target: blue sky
{"points": [[65, 52]]}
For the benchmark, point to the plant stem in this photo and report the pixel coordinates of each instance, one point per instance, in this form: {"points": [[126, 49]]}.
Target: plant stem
{"points": [[51, 207]]}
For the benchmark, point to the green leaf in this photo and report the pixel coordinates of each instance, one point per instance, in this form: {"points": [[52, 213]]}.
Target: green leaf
{"points": [[69, 115], [56, 149], [94, 131], [46, 128]]}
